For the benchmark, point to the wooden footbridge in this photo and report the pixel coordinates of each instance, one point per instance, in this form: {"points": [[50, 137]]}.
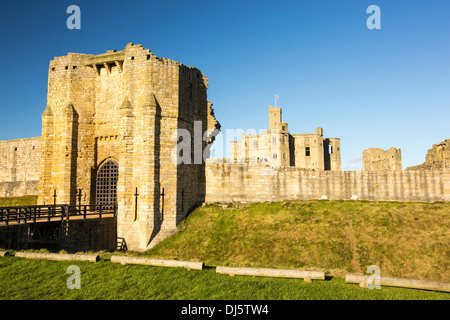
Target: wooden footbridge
{"points": [[48, 213]]}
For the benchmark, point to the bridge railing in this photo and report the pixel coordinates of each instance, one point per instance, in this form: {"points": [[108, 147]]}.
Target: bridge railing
{"points": [[27, 214]]}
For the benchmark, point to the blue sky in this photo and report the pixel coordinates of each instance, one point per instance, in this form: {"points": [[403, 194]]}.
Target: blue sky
{"points": [[371, 88]]}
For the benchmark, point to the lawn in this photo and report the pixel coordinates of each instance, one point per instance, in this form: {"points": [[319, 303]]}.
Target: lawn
{"points": [[22, 279], [408, 240]]}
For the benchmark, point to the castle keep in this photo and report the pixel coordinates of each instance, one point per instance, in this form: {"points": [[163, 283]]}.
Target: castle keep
{"points": [[111, 132], [278, 147]]}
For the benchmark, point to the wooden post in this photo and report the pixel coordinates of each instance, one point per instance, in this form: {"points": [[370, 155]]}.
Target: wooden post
{"points": [[4, 253], [400, 282], [157, 262], [58, 256], [79, 200], [278, 273]]}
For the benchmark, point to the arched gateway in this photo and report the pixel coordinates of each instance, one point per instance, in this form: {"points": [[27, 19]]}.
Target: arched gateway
{"points": [[106, 183]]}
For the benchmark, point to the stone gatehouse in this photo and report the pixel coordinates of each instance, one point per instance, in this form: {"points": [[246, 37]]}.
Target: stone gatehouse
{"points": [[118, 112]]}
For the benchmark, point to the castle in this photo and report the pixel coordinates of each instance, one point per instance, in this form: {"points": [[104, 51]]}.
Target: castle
{"points": [[112, 124], [277, 147]]}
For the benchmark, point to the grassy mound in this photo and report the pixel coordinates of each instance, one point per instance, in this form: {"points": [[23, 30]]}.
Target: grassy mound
{"points": [[404, 239]]}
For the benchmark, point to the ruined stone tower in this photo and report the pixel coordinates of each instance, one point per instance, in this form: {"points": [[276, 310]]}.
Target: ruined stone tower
{"points": [[110, 129], [377, 159]]}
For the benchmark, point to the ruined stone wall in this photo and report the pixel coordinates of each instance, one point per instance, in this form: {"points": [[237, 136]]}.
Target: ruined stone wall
{"points": [[377, 159], [270, 147], [309, 151], [196, 116], [332, 154], [19, 167], [438, 157], [258, 183]]}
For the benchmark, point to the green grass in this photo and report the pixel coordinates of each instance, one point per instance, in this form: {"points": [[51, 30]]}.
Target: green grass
{"points": [[18, 201], [22, 279], [408, 240]]}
